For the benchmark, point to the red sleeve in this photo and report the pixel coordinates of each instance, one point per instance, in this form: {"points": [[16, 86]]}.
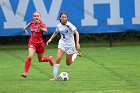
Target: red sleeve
{"points": [[43, 25], [31, 22]]}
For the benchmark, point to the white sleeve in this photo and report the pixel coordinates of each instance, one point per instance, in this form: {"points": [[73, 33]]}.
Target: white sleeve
{"points": [[57, 30], [72, 27]]}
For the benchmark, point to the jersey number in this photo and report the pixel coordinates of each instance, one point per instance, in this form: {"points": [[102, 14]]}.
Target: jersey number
{"points": [[63, 36]]}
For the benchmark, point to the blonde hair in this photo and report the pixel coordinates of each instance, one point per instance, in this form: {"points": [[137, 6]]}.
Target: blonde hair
{"points": [[37, 12]]}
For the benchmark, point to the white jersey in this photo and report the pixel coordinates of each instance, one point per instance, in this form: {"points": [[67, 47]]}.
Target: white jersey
{"points": [[67, 34]]}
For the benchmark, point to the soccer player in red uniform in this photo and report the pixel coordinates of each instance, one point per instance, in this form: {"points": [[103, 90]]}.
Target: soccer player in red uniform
{"points": [[36, 43]]}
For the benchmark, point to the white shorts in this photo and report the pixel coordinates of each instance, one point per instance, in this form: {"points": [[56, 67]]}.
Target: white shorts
{"points": [[67, 50]]}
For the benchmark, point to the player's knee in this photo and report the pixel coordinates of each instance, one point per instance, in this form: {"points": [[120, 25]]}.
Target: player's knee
{"points": [[68, 63], [40, 60]]}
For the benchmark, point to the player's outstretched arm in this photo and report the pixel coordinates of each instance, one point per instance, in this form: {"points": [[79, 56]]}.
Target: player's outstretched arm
{"points": [[53, 35], [77, 40], [24, 29]]}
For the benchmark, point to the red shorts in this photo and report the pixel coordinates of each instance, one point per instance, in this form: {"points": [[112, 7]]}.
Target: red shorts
{"points": [[38, 47]]}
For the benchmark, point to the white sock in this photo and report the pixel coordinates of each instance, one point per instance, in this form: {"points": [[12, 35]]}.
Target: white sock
{"points": [[74, 56], [55, 69]]}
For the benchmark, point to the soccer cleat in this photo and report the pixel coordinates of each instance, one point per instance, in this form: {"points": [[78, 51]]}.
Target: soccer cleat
{"points": [[79, 54], [51, 61], [53, 78], [24, 76]]}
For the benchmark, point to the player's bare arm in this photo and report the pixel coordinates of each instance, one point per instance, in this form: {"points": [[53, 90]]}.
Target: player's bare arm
{"points": [[77, 40], [53, 35], [24, 29]]}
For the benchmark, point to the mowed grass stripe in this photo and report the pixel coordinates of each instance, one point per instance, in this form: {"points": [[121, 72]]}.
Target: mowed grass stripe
{"points": [[85, 76]]}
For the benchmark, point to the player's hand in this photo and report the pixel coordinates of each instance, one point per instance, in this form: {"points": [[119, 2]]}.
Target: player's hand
{"points": [[43, 29], [39, 28], [47, 43], [78, 46], [25, 31]]}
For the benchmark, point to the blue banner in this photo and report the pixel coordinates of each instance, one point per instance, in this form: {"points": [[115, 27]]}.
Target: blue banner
{"points": [[89, 16]]}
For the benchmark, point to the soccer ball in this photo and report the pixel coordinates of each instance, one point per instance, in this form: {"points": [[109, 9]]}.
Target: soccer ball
{"points": [[63, 76]]}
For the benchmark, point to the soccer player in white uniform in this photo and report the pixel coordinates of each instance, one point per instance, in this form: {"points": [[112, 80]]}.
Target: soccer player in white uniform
{"points": [[66, 43]]}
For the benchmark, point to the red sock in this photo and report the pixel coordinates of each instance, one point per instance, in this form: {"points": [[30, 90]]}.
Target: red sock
{"points": [[45, 59], [27, 65]]}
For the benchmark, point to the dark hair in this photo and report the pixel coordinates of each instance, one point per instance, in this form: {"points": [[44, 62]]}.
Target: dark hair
{"points": [[62, 14]]}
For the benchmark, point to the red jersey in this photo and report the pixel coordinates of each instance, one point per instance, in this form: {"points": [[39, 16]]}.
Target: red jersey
{"points": [[36, 34]]}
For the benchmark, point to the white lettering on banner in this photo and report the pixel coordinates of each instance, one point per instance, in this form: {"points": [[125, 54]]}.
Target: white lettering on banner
{"points": [[136, 19], [14, 20], [114, 12], [17, 20], [51, 17], [89, 19]]}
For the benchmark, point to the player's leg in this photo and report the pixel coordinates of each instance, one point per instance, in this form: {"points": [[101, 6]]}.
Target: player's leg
{"points": [[69, 59], [28, 61], [60, 53], [40, 51], [74, 56], [77, 53], [42, 58]]}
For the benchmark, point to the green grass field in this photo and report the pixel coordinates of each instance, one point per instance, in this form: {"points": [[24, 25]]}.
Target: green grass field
{"points": [[100, 70]]}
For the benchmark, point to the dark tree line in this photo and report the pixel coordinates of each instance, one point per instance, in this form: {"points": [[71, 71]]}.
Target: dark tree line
{"points": [[123, 36]]}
